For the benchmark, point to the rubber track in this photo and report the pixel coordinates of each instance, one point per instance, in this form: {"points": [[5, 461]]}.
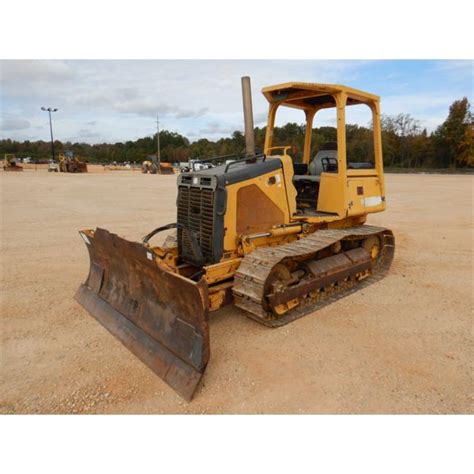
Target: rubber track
{"points": [[249, 281]]}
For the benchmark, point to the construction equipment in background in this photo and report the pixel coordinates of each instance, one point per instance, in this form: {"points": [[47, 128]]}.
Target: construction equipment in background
{"points": [[166, 168], [10, 163], [68, 163], [114, 166], [149, 166], [53, 166], [197, 164], [277, 238]]}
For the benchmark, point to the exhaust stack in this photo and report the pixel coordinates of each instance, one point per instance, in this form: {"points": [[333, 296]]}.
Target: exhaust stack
{"points": [[248, 116]]}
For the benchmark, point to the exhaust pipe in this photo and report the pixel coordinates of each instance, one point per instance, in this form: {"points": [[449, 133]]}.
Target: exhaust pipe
{"points": [[248, 116]]}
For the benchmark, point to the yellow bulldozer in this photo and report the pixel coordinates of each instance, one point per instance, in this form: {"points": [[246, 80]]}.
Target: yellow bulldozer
{"points": [[276, 238], [9, 163], [152, 167], [166, 167], [68, 163], [149, 166]]}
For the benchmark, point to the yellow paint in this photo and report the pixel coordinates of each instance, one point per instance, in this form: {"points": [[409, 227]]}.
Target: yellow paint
{"points": [[345, 197], [276, 192], [338, 191], [221, 271]]}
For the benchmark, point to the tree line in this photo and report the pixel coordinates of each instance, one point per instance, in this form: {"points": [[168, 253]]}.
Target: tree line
{"points": [[405, 143]]}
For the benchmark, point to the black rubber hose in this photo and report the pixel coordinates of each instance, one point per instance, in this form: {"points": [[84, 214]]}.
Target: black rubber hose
{"points": [[147, 237], [199, 258]]}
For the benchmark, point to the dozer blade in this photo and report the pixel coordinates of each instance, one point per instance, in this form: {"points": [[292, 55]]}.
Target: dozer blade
{"points": [[159, 316]]}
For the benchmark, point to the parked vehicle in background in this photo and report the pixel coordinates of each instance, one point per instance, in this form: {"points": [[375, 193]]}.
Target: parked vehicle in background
{"points": [[195, 165], [10, 163], [53, 166]]}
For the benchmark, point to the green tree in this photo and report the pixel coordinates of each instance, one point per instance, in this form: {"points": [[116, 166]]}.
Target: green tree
{"points": [[399, 133], [454, 137], [404, 143]]}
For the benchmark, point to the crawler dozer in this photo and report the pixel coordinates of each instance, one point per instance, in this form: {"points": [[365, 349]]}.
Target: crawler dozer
{"points": [[276, 238], [166, 168], [68, 163], [149, 166], [152, 167], [9, 163]]}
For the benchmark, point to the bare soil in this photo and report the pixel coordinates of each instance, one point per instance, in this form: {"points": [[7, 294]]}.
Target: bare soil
{"points": [[402, 345]]}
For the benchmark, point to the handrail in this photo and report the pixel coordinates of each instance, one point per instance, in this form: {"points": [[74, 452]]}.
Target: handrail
{"points": [[205, 160], [285, 147]]}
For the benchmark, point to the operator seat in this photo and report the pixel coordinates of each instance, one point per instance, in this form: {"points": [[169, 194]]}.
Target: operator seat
{"points": [[323, 161]]}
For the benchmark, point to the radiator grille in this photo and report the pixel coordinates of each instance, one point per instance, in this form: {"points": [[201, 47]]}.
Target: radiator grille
{"points": [[196, 213]]}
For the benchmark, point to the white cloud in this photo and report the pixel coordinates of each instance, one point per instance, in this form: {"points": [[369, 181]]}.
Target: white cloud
{"points": [[132, 101], [190, 113], [430, 109], [455, 66], [22, 76], [143, 106], [416, 102], [86, 133], [214, 128], [260, 118], [124, 97], [121, 99], [14, 124]]}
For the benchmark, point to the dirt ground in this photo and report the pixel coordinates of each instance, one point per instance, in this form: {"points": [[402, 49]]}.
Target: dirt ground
{"points": [[402, 345], [90, 168]]}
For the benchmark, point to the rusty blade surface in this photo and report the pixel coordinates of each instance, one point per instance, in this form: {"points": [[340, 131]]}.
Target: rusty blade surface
{"points": [[159, 316]]}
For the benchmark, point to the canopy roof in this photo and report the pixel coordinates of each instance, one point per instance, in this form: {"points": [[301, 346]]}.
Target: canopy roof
{"points": [[306, 95]]}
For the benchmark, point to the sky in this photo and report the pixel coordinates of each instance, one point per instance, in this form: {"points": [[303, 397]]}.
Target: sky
{"points": [[118, 100]]}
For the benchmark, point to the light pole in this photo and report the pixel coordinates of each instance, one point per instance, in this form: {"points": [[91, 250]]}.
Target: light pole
{"points": [[158, 152], [49, 110]]}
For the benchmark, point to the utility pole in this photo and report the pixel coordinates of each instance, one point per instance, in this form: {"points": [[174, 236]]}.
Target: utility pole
{"points": [[49, 110], [158, 155]]}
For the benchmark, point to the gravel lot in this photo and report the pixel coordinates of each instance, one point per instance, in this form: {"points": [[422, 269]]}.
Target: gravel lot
{"points": [[403, 345]]}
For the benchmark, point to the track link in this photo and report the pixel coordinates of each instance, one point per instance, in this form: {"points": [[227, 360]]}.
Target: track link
{"points": [[250, 279]]}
